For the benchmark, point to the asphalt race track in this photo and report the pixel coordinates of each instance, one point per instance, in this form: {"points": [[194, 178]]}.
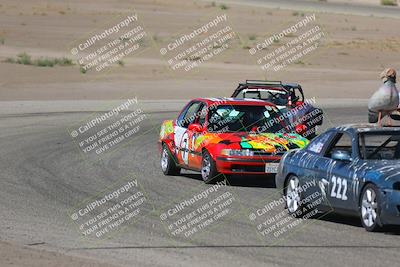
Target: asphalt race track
{"points": [[43, 177]]}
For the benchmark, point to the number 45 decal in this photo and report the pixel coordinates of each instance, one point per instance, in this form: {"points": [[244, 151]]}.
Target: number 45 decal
{"points": [[339, 188]]}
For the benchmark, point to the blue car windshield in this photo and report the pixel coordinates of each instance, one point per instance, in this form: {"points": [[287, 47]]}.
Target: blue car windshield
{"points": [[379, 145]]}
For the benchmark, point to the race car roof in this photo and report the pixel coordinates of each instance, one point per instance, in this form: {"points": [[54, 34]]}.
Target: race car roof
{"points": [[366, 127], [235, 101]]}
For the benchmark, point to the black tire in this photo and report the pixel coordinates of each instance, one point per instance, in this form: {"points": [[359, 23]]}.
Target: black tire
{"points": [[208, 170], [168, 164], [370, 208], [293, 196], [372, 116]]}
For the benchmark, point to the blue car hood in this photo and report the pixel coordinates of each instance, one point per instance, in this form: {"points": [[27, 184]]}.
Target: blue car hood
{"points": [[385, 170]]}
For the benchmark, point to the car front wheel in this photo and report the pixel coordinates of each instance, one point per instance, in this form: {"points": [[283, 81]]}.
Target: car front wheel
{"points": [[208, 168], [293, 196], [168, 165], [370, 209]]}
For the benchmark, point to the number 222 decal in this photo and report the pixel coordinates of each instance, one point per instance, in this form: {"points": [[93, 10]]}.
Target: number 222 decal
{"points": [[339, 188]]}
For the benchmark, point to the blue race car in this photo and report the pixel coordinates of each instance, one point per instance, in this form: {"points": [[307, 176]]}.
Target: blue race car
{"points": [[355, 169]]}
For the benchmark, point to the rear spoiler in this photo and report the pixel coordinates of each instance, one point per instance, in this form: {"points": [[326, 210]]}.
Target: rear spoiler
{"points": [[260, 83], [263, 83], [250, 83]]}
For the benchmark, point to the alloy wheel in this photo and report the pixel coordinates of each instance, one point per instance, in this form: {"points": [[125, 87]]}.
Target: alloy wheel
{"points": [[293, 194], [369, 207]]}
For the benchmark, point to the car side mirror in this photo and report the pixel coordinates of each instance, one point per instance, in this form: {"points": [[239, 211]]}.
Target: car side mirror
{"points": [[195, 127], [342, 155]]}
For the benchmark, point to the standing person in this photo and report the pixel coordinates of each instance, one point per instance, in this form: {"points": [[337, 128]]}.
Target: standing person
{"points": [[386, 100]]}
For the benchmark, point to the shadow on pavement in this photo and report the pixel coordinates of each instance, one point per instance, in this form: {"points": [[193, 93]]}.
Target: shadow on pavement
{"points": [[264, 181], [355, 221]]}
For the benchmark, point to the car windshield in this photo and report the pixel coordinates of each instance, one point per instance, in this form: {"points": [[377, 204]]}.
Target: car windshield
{"points": [[278, 97], [242, 118], [378, 146]]}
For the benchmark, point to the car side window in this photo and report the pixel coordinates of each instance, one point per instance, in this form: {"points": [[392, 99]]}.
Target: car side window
{"points": [[342, 141], [202, 114], [319, 143], [294, 96], [189, 115]]}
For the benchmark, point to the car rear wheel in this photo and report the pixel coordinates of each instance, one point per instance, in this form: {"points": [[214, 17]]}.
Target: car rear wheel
{"points": [[293, 196], [208, 170], [168, 165], [370, 209]]}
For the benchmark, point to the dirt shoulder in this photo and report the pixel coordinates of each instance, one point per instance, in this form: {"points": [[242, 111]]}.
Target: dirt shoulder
{"points": [[348, 62]]}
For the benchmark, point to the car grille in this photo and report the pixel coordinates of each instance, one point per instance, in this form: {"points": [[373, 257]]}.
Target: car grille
{"points": [[241, 168]]}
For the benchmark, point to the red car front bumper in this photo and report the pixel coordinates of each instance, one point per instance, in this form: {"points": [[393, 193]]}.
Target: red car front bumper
{"points": [[245, 165]]}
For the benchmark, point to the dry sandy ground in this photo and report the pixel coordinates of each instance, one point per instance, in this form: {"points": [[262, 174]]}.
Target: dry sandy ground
{"points": [[348, 63], [363, 2]]}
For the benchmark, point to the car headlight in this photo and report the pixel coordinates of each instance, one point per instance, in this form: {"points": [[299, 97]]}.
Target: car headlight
{"points": [[237, 152]]}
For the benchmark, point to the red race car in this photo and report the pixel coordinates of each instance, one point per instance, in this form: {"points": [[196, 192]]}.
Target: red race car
{"points": [[226, 136]]}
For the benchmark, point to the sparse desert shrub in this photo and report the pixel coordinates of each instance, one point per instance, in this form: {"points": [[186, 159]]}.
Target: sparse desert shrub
{"points": [[26, 59], [44, 62], [252, 37], [389, 2], [223, 7], [64, 61], [82, 70]]}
